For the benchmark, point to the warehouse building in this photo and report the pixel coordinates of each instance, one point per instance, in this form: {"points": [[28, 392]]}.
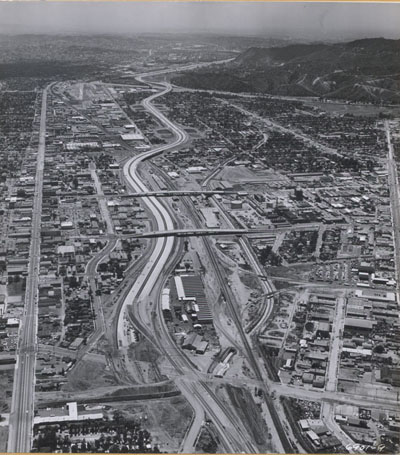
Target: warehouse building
{"points": [[190, 288]]}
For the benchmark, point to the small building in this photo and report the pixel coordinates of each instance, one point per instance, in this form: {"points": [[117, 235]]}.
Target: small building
{"points": [[236, 205], [307, 378], [201, 347], [359, 325], [67, 225], [132, 137], [192, 342], [72, 413], [304, 425], [323, 329], [319, 382], [313, 437]]}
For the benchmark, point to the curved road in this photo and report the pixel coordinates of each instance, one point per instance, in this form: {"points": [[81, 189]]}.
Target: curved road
{"points": [[197, 394], [163, 247]]}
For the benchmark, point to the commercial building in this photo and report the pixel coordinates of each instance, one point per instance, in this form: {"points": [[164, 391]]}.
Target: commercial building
{"points": [[71, 413]]}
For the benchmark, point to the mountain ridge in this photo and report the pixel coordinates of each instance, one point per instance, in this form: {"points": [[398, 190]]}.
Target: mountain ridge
{"points": [[361, 70]]}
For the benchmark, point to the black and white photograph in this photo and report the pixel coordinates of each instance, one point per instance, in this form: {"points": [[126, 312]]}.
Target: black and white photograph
{"points": [[199, 227]]}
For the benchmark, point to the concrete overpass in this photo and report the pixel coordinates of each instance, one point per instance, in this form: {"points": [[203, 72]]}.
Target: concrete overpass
{"points": [[254, 233], [190, 233], [170, 193]]}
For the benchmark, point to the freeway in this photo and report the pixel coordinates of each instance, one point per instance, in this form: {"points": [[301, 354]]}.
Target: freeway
{"points": [[163, 247], [22, 405], [192, 66], [274, 422], [198, 394]]}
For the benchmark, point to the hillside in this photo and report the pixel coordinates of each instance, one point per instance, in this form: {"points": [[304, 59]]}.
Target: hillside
{"points": [[361, 70]]}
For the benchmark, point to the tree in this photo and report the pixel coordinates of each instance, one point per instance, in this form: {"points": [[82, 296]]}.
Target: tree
{"points": [[309, 326], [379, 349]]}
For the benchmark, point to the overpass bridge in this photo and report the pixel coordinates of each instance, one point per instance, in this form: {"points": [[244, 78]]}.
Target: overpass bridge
{"points": [[250, 232], [188, 233], [171, 193], [169, 233]]}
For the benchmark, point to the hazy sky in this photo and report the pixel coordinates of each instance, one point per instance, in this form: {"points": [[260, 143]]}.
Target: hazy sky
{"points": [[299, 20]]}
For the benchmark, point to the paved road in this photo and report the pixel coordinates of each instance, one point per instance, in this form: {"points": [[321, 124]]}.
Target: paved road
{"points": [[395, 200], [328, 416], [102, 203], [336, 345], [374, 402], [21, 417], [90, 274]]}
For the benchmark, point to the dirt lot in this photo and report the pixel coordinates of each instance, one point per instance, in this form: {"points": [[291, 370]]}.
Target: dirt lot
{"points": [[88, 375], [144, 356], [236, 174], [16, 288], [6, 386], [3, 439]]}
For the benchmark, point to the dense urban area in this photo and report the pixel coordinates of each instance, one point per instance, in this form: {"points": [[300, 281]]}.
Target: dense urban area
{"points": [[197, 263]]}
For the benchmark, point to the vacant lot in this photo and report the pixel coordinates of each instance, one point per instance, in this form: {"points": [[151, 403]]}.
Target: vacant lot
{"points": [[3, 439], [89, 375], [6, 386]]}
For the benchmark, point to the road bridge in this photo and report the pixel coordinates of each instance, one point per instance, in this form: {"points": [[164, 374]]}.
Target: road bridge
{"points": [[170, 193], [189, 233], [253, 233]]}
